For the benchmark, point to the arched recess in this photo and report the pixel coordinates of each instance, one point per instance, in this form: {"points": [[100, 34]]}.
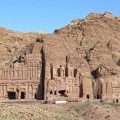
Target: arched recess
{"points": [[81, 88], [99, 89]]}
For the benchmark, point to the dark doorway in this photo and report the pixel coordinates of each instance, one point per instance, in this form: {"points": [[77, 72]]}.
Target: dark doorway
{"points": [[88, 97], [75, 73], [35, 96], [117, 100], [99, 90], [59, 73], [55, 93], [99, 96], [94, 74], [63, 93], [22, 95], [81, 90], [11, 95], [51, 92]]}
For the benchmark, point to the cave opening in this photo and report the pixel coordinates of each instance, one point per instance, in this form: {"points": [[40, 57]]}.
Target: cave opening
{"points": [[99, 96], [22, 95], [117, 100], [62, 93], [94, 74], [87, 96], [11, 95]]}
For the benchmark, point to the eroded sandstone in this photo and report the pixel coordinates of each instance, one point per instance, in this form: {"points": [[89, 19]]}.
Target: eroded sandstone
{"points": [[80, 60]]}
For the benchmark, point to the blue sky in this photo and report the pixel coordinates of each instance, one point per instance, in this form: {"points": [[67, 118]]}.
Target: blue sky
{"points": [[47, 15]]}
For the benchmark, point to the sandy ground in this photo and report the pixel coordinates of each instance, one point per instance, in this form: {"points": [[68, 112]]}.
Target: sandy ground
{"points": [[70, 111]]}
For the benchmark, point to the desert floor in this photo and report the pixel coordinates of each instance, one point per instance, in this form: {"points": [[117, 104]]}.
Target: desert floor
{"points": [[70, 111]]}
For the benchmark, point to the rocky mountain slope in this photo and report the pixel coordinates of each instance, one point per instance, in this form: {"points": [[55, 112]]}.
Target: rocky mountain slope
{"points": [[90, 44], [12, 43]]}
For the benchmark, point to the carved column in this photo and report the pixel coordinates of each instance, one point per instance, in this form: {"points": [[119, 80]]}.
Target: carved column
{"points": [[30, 91], [17, 73], [27, 72], [32, 73], [22, 73], [6, 74], [27, 91], [13, 73], [38, 73], [55, 73], [3, 75], [2, 91], [5, 91]]}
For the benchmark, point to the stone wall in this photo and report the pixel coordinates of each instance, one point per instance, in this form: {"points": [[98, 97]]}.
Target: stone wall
{"points": [[107, 88], [22, 79], [66, 82]]}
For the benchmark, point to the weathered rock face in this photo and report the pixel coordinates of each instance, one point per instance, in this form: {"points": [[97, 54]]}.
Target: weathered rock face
{"points": [[90, 46], [11, 43]]}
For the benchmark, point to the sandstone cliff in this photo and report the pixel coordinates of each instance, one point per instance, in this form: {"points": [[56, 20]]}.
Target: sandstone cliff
{"points": [[90, 44], [11, 43]]}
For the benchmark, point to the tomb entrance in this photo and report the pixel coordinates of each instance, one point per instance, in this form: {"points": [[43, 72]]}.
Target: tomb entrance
{"points": [[62, 93], [11, 95], [22, 95]]}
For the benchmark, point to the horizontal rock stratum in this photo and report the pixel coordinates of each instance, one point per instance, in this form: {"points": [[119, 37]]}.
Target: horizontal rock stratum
{"points": [[80, 60]]}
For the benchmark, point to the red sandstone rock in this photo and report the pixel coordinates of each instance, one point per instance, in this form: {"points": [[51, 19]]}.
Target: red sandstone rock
{"points": [[71, 62]]}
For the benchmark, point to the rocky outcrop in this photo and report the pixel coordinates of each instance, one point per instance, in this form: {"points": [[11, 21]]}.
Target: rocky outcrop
{"points": [[11, 43], [87, 43], [90, 45]]}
